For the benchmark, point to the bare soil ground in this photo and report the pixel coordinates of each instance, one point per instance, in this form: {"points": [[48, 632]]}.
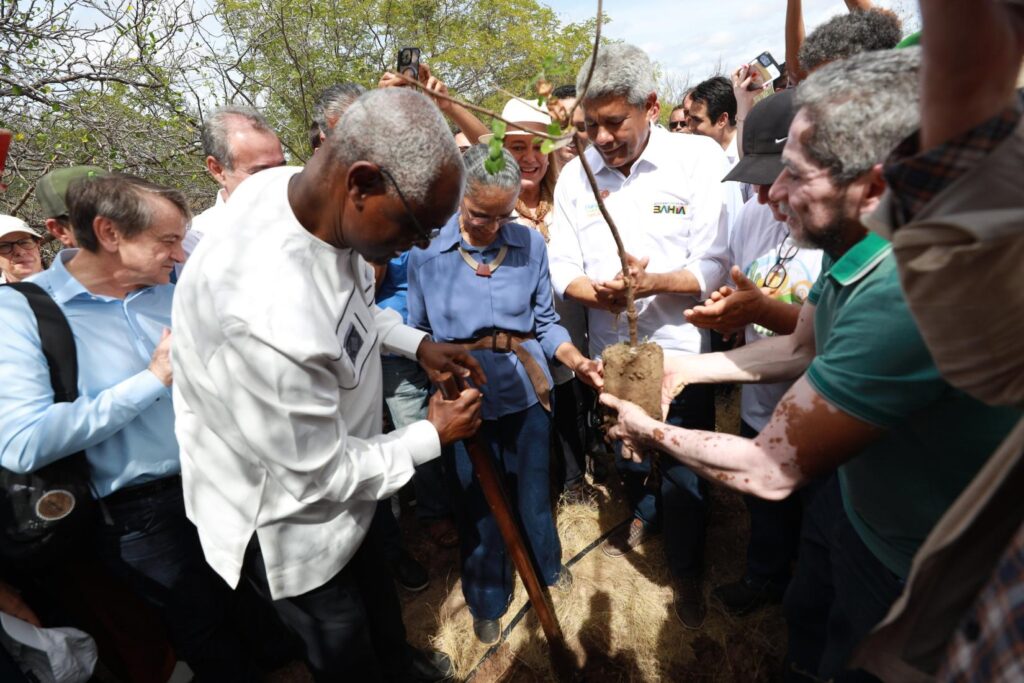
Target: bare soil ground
{"points": [[617, 616]]}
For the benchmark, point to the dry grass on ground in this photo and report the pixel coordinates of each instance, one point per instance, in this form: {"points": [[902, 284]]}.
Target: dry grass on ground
{"points": [[617, 616]]}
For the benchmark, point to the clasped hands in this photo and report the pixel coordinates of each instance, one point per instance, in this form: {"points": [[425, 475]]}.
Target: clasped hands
{"points": [[611, 294]]}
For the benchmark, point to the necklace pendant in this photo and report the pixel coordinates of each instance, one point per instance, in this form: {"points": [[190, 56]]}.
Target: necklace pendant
{"points": [[483, 270]]}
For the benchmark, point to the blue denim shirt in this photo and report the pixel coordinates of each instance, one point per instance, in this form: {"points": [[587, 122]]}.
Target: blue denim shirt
{"points": [[123, 417], [394, 287], [449, 300]]}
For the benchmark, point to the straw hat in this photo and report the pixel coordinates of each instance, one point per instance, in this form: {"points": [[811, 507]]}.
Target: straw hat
{"points": [[524, 113]]}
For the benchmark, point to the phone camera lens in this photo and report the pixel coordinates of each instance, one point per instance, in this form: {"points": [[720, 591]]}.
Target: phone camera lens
{"points": [[764, 60]]}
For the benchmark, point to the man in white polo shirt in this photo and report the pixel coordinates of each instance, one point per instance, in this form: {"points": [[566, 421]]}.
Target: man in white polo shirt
{"points": [[665, 194]]}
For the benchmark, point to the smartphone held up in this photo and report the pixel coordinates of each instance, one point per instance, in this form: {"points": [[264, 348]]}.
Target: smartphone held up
{"points": [[409, 62]]}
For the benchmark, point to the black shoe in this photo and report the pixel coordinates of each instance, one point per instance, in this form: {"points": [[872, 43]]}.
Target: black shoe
{"points": [[580, 494], [689, 602], [487, 631], [746, 595], [409, 573], [429, 666]]}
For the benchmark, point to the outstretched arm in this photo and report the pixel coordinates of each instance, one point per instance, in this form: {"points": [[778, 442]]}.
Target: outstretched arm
{"points": [[970, 64], [794, 40], [805, 438]]}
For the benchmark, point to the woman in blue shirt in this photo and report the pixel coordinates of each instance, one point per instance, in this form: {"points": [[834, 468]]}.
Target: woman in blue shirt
{"points": [[484, 282]]}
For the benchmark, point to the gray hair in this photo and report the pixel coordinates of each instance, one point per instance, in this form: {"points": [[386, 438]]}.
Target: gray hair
{"points": [[217, 128], [124, 199], [859, 109], [332, 104], [850, 34], [402, 131], [622, 70], [508, 178]]}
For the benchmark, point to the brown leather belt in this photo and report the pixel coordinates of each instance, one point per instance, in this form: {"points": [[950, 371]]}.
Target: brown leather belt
{"points": [[502, 341]]}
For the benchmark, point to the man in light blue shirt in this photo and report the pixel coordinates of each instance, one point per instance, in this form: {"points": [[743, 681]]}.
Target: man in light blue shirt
{"points": [[115, 292]]}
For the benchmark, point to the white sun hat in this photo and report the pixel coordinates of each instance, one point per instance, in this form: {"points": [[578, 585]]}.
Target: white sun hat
{"points": [[525, 113], [11, 224]]}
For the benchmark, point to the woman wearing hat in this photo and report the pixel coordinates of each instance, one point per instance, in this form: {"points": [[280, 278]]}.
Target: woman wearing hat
{"points": [[533, 206], [483, 282], [19, 250]]}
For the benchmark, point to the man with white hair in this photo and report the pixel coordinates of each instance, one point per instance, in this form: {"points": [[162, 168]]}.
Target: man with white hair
{"points": [[278, 397], [238, 142], [665, 195], [868, 402]]}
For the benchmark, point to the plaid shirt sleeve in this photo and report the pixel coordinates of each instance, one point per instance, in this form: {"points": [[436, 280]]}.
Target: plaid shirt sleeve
{"points": [[916, 177], [989, 643]]}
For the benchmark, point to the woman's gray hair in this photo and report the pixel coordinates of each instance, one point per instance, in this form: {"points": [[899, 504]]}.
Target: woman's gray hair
{"points": [[477, 175], [217, 127], [859, 109], [332, 104], [622, 70], [401, 131]]}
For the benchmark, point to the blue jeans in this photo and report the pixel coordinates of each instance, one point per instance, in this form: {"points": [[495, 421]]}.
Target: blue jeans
{"points": [[774, 533], [838, 593], [519, 445], [679, 505], [150, 543], [406, 390]]}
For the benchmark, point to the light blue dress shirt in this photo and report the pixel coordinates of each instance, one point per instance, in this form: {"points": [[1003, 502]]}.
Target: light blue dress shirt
{"points": [[448, 299], [123, 417]]}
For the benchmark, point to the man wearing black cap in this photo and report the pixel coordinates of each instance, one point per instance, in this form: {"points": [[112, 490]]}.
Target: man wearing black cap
{"points": [[770, 281]]}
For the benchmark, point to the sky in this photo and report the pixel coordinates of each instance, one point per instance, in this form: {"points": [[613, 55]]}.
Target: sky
{"points": [[690, 36]]}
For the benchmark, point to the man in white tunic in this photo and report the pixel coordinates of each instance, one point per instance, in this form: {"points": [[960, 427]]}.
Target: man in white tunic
{"points": [[278, 381]]}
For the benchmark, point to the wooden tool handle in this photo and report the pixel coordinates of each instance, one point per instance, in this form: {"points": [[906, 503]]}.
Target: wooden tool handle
{"points": [[497, 500]]}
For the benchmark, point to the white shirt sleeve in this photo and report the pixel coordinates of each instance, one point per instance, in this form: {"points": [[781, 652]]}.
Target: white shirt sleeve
{"points": [[287, 410], [395, 336], [565, 257], [710, 241]]}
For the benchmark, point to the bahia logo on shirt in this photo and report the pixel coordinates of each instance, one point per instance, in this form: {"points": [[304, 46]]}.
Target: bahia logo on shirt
{"points": [[673, 208]]}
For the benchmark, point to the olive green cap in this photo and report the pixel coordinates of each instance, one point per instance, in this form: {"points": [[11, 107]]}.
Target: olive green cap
{"points": [[53, 187]]}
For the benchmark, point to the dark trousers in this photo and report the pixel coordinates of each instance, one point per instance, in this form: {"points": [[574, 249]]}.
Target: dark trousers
{"points": [[679, 505], [519, 446], [148, 541], [351, 626], [774, 533], [838, 593], [569, 424]]}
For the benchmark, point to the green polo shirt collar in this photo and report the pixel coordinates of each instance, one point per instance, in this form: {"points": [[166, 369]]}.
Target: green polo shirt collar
{"points": [[860, 260]]}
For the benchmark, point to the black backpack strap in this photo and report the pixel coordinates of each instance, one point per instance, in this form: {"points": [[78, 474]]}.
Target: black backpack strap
{"points": [[58, 342]]}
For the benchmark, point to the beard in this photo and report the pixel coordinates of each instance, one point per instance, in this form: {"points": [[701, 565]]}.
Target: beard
{"points": [[834, 238]]}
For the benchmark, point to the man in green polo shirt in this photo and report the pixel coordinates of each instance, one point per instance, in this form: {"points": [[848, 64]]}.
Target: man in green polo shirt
{"points": [[868, 401]]}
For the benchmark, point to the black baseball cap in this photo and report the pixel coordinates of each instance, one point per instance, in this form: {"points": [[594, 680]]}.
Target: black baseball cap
{"points": [[764, 135]]}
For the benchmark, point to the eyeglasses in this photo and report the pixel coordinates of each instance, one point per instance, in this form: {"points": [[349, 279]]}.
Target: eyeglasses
{"points": [[422, 235], [674, 125], [27, 243], [777, 275], [483, 221]]}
